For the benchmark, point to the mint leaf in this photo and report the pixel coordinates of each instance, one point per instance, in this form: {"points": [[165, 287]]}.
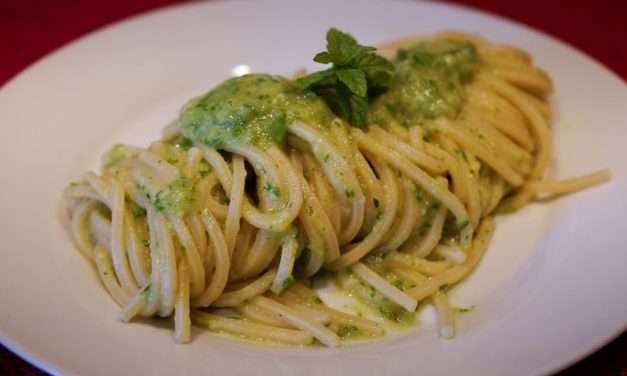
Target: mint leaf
{"points": [[377, 68], [307, 82], [359, 110], [323, 58], [355, 81], [342, 47]]}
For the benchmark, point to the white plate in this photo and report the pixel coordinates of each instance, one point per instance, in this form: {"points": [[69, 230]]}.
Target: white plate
{"points": [[550, 290]]}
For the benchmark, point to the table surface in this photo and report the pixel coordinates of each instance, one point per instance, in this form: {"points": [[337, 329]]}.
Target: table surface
{"points": [[33, 28]]}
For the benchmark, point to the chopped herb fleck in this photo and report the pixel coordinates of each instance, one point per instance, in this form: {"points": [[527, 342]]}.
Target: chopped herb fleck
{"points": [[373, 292], [435, 257], [139, 212], [204, 170], [424, 228], [350, 193], [464, 309], [462, 154], [348, 331], [145, 293], [274, 190], [92, 240], [419, 192], [287, 283], [461, 225]]}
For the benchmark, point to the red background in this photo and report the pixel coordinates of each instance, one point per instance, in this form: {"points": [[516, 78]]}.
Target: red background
{"points": [[30, 29]]}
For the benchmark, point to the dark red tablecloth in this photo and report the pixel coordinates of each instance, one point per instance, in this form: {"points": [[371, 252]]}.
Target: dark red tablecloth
{"points": [[29, 29]]}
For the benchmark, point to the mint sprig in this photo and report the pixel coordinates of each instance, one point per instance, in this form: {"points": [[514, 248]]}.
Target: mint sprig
{"points": [[357, 74]]}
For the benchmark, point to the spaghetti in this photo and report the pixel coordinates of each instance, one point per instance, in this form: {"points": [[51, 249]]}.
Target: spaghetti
{"points": [[257, 190]]}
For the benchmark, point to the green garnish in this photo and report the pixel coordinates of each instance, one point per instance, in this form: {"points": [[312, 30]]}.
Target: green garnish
{"points": [[435, 205], [461, 153], [435, 257], [92, 240], [139, 212], [315, 300], [357, 74], [464, 309], [395, 314], [287, 283], [375, 202], [424, 228], [204, 170], [373, 292], [350, 193], [462, 224], [348, 331], [419, 192], [273, 189], [145, 293]]}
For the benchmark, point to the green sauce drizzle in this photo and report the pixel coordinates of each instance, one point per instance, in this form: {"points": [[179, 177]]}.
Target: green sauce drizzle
{"points": [[428, 84], [253, 109]]}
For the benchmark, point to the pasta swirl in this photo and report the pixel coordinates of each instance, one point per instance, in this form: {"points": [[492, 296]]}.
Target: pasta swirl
{"points": [[259, 189]]}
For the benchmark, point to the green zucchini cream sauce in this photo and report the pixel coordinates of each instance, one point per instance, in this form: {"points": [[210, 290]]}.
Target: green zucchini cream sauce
{"points": [[380, 305], [256, 109], [428, 84], [253, 109]]}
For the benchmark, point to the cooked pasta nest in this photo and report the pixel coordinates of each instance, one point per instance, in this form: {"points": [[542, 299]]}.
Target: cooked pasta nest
{"points": [[235, 238]]}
